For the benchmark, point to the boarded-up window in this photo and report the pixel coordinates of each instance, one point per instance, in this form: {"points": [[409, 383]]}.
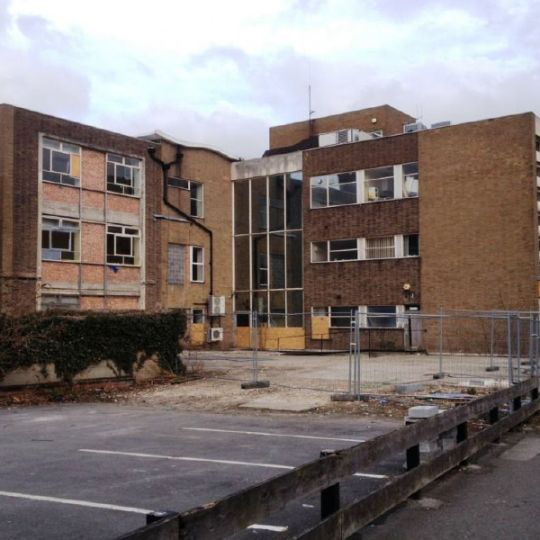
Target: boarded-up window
{"points": [[175, 266]]}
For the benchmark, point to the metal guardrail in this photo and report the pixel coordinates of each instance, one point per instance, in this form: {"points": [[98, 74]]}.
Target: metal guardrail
{"points": [[234, 513]]}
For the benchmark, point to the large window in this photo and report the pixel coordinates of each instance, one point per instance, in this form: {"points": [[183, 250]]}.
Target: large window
{"points": [[197, 264], [59, 302], [410, 180], [379, 184], [268, 249], [334, 250], [380, 248], [123, 174], [410, 245], [196, 199], [333, 190], [60, 239], [341, 317], [61, 162], [122, 245], [381, 317]]}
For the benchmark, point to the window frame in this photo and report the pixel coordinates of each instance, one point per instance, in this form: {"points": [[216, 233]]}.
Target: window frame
{"points": [[74, 238], [196, 264], [198, 201], [325, 178], [381, 315], [197, 316], [136, 180], [135, 244], [50, 145], [391, 178], [374, 238]]}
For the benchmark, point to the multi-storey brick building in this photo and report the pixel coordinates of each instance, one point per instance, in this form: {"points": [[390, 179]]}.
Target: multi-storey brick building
{"points": [[395, 218], [88, 222], [365, 212]]}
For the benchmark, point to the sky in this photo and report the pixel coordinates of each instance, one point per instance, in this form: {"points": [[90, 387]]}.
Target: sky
{"points": [[222, 73]]}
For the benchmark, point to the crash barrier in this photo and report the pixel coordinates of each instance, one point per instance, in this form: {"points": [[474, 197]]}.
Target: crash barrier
{"points": [[474, 425]]}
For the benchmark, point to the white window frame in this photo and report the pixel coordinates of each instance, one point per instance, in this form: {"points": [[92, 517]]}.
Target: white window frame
{"points": [[128, 163], [199, 201], [196, 264], [61, 226], [200, 313], [366, 188], [135, 240], [367, 249], [53, 145]]}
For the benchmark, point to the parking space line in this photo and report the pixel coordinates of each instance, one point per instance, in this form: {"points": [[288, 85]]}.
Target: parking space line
{"points": [[274, 528], [267, 434], [186, 458], [75, 502]]}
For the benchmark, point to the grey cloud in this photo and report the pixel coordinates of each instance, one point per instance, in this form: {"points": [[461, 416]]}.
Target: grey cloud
{"points": [[31, 78]]}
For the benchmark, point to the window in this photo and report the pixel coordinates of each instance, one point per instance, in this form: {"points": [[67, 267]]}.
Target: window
{"points": [[379, 184], [341, 317], [381, 316], [175, 264], [410, 180], [333, 190], [196, 199], [197, 264], [61, 162], [60, 239], [59, 301], [410, 245], [334, 250], [197, 316], [178, 183], [122, 245], [380, 248], [123, 174]]}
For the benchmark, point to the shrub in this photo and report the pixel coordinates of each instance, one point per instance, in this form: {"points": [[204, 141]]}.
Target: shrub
{"points": [[74, 341]]}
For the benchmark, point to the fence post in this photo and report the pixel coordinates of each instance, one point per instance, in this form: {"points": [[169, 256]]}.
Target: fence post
{"points": [[509, 349], [518, 348], [491, 367], [330, 498], [255, 383], [440, 373]]}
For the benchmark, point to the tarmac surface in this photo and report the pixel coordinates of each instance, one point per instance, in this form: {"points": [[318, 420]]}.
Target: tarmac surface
{"points": [[90, 471]]}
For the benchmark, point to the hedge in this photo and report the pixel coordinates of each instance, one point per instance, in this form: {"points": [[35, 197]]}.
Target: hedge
{"points": [[75, 341]]}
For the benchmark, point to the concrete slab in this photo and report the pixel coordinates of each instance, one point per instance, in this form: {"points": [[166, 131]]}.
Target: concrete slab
{"points": [[276, 403]]}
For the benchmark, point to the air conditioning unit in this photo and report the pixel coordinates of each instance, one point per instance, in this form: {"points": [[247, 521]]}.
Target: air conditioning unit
{"points": [[373, 193], [343, 136], [217, 305], [215, 334], [414, 126]]}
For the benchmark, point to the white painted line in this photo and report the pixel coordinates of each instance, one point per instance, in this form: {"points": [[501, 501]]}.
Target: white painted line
{"points": [[371, 475], [185, 458], [265, 434], [275, 528], [308, 506], [75, 502]]}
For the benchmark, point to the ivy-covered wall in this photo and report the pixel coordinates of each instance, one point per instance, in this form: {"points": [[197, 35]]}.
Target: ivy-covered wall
{"points": [[74, 342]]}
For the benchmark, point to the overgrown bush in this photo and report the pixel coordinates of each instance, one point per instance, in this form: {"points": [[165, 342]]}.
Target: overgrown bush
{"points": [[75, 341]]}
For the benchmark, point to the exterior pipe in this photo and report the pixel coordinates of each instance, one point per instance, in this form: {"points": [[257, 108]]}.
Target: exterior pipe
{"points": [[165, 166]]}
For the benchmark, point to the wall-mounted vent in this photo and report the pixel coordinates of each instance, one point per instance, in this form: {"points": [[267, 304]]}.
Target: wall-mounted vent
{"points": [[215, 334], [217, 305]]}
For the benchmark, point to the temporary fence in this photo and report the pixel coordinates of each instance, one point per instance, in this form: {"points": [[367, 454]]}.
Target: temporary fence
{"points": [[381, 352]]}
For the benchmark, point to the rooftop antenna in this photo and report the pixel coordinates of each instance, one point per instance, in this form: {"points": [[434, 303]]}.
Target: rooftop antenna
{"points": [[310, 112]]}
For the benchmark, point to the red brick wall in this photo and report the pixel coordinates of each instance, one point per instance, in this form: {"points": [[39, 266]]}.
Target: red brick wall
{"points": [[20, 244], [390, 120]]}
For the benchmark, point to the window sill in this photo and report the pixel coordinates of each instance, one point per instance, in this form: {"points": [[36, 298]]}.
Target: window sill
{"points": [[198, 282], [77, 261], [362, 203], [60, 184], [122, 265], [139, 196], [366, 260]]}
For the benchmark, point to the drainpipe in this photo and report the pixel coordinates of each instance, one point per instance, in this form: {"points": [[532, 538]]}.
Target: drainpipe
{"points": [[165, 166]]}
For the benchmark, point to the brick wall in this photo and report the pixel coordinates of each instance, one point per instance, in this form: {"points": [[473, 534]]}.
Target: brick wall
{"points": [[213, 171], [478, 216], [388, 119], [20, 208]]}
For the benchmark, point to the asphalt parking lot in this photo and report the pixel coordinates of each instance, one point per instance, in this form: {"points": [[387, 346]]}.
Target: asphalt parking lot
{"points": [[91, 471]]}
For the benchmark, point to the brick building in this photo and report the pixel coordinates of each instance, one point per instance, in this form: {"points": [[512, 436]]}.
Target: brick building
{"points": [[87, 221], [366, 211], [396, 218]]}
